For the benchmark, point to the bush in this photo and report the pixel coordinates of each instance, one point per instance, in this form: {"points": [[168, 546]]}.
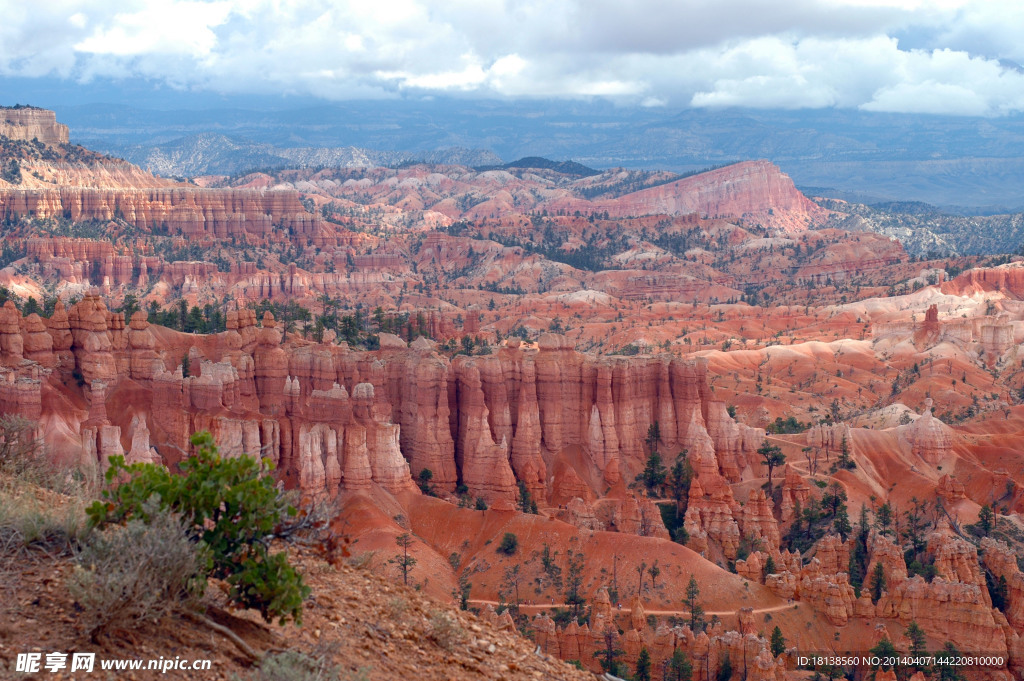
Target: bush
{"points": [[138, 572], [231, 506], [509, 544], [24, 458], [444, 630], [27, 523], [292, 665], [17, 441]]}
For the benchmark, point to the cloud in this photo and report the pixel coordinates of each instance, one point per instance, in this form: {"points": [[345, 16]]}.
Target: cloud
{"points": [[881, 55]]}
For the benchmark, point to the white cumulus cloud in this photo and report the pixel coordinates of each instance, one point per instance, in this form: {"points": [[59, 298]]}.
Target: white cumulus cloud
{"points": [[936, 56]]}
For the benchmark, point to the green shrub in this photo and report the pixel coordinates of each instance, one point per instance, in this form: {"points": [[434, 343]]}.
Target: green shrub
{"points": [[230, 505], [509, 544]]}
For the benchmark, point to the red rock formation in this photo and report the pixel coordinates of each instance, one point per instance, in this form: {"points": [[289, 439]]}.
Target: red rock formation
{"points": [[484, 463], [795, 493], [37, 343], [59, 327], [89, 320], [883, 550], [191, 212], [758, 523], [954, 610], [712, 515], [950, 489], [11, 343], [998, 558], [755, 190], [1008, 279]]}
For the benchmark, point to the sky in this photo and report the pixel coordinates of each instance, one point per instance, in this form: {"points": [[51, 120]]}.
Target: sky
{"points": [[957, 57]]}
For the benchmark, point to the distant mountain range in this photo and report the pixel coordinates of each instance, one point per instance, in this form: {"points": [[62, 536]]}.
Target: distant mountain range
{"points": [[973, 163], [217, 154]]}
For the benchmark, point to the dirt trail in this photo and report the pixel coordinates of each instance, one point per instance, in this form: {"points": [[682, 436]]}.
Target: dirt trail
{"points": [[720, 613]]}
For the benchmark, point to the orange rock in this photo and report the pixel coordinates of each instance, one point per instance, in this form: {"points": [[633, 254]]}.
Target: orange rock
{"points": [[757, 521]]}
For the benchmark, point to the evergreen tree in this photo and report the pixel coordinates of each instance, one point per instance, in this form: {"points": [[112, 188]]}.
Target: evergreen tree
{"points": [[425, 476], [653, 475], [877, 582], [653, 436], [884, 649], [679, 480], [841, 523], [884, 519], [915, 526], [778, 642], [405, 562], [692, 604], [833, 498], [680, 666], [772, 456], [915, 634], [985, 519], [845, 461], [946, 670], [526, 502], [643, 666], [610, 653], [859, 554], [724, 669], [574, 583]]}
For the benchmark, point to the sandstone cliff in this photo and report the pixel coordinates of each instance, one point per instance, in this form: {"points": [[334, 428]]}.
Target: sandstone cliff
{"points": [[30, 123]]}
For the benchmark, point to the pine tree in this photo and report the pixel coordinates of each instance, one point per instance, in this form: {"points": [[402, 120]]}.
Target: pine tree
{"points": [[985, 519], [772, 456], [916, 636], [405, 562], [679, 480], [841, 523], [643, 666], [526, 502], [425, 476], [574, 582], [696, 611], [946, 670], [778, 642], [877, 582], [654, 473], [844, 455], [653, 436], [884, 518], [724, 669], [680, 666], [611, 652]]}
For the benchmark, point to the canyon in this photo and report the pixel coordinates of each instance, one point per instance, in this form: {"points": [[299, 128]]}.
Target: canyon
{"points": [[464, 354]]}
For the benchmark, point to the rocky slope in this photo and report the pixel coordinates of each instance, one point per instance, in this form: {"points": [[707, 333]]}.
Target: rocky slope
{"points": [[924, 229], [212, 153]]}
